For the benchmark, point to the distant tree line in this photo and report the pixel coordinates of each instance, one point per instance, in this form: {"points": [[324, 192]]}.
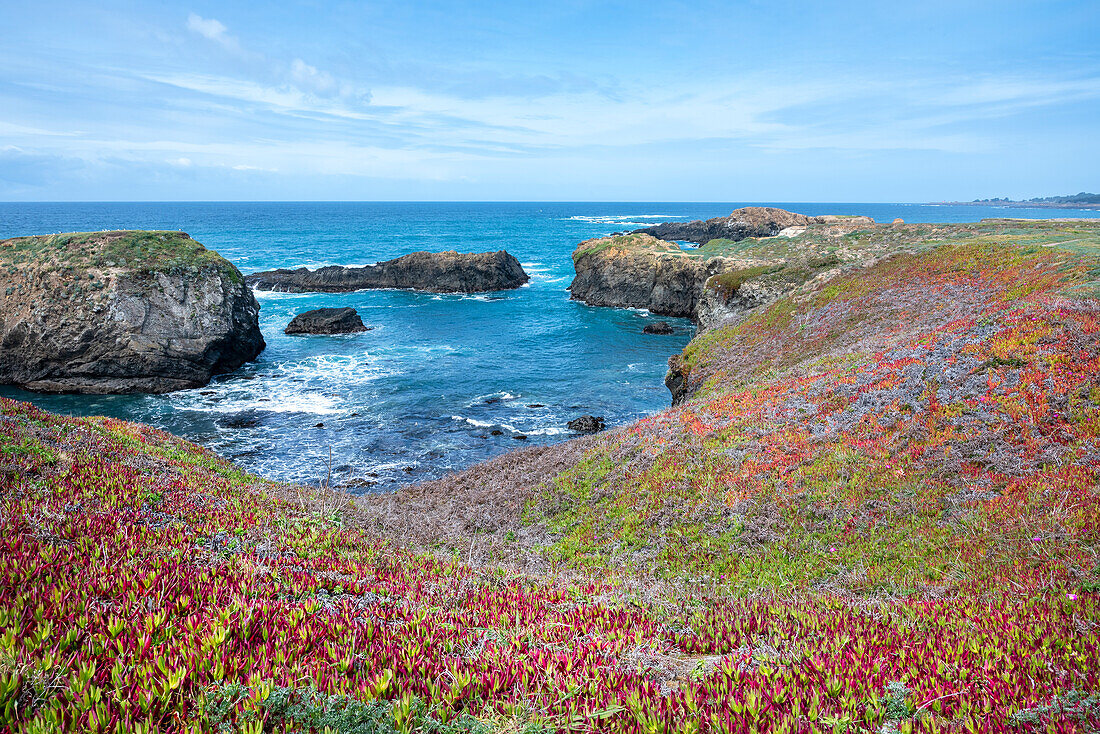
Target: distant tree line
{"points": [[1081, 198]]}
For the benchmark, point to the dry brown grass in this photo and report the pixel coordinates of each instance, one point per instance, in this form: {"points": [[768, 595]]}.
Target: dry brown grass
{"points": [[477, 513]]}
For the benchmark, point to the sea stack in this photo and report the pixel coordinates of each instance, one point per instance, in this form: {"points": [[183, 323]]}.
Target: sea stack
{"points": [[326, 321], [434, 272], [121, 312]]}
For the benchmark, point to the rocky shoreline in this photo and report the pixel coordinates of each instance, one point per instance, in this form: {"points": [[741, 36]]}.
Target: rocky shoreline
{"points": [[433, 272], [714, 283]]}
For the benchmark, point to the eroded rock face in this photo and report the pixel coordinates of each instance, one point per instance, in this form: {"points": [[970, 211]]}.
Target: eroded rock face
{"points": [[326, 321], [640, 271], [121, 312], [434, 272]]}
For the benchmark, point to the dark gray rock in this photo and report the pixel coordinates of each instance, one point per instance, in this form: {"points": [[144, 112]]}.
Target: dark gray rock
{"points": [[121, 312], [326, 321], [586, 424], [751, 221], [676, 380], [435, 272], [643, 272], [659, 327]]}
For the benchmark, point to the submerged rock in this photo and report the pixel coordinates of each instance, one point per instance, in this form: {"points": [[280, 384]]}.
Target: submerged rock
{"points": [[121, 312], [326, 321], [434, 272], [659, 327], [586, 424]]}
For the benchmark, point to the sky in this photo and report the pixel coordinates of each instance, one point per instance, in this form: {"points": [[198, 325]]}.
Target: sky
{"points": [[569, 100]]}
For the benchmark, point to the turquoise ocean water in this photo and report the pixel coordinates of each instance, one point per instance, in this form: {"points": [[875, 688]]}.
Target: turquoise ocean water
{"points": [[423, 392]]}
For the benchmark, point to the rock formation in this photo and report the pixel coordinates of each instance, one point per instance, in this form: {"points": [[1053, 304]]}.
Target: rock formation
{"points": [[751, 221], [640, 271], [586, 424], [660, 327], [723, 281], [121, 312], [435, 272], [326, 321]]}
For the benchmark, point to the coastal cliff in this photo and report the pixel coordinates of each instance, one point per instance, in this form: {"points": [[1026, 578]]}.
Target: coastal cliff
{"points": [[762, 255], [121, 312], [434, 272], [640, 271], [723, 279]]}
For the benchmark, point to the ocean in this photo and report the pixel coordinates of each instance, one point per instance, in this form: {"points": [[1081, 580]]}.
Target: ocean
{"points": [[440, 382]]}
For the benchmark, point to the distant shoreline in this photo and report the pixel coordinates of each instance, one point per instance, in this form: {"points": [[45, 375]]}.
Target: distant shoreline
{"points": [[1020, 204]]}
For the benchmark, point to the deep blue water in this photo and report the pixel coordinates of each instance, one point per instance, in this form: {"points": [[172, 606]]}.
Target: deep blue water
{"points": [[420, 394]]}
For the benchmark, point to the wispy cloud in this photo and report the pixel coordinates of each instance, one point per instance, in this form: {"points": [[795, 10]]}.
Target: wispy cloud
{"points": [[301, 83], [215, 31]]}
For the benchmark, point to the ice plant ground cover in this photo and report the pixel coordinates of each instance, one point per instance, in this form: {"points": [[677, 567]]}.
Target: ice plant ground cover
{"points": [[877, 513]]}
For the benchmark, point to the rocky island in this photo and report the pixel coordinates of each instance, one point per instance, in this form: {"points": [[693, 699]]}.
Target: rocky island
{"points": [[433, 272], [121, 312], [326, 321]]}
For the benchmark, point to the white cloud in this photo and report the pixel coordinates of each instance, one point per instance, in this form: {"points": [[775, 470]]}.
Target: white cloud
{"points": [[215, 31], [309, 79], [211, 28], [180, 162]]}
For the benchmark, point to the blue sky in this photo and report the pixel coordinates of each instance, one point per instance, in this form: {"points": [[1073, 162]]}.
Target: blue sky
{"points": [[564, 100]]}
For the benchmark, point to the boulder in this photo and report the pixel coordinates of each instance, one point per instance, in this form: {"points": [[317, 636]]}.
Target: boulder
{"points": [[434, 272], [586, 424], [326, 321], [659, 327], [121, 312]]}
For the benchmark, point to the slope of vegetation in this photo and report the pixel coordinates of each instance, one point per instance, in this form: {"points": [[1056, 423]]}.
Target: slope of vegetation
{"points": [[932, 420], [878, 513]]}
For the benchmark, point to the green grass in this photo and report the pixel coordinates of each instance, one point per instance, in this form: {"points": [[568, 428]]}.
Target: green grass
{"points": [[138, 250], [635, 242], [729, 282]]}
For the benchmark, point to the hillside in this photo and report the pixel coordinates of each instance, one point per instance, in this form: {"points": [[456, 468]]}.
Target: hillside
{"points": [[876, 510], [872, 432]]}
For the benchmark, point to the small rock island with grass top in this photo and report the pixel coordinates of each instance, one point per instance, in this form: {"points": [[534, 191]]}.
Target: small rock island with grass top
{"points": [[121, 312]]}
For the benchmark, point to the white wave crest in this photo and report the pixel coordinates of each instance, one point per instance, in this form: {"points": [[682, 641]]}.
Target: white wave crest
{"points": [[304, 386]]}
